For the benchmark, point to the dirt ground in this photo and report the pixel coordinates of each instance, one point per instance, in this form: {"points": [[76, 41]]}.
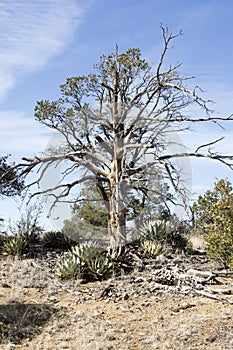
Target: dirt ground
{"points": [[133, 312]]}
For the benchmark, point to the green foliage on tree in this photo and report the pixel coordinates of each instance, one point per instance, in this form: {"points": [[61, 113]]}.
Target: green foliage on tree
{"points": [[90, 214], [214, 218], [91, 208], [93, 214], [8, 187]]}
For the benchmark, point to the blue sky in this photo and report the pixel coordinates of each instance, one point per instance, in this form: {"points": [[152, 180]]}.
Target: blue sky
{"points": [[45, 41]]}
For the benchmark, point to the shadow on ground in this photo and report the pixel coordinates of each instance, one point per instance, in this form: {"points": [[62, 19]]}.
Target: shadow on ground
{"points": [[19, 321]]}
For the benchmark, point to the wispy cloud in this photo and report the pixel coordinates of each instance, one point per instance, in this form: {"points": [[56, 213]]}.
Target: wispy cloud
{"points": [[31, 32], [21, 135]]}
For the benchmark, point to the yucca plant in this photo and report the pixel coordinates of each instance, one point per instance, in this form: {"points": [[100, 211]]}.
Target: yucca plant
{"points": [[16, 246], [164, 232], [68, 267], [152, 248]]}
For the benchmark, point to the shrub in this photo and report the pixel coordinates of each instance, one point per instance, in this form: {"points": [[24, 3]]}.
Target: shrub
{"points": [[220, 247], [214, 217], [177, 240], [56, 240], [231, 262], [27, 226]]}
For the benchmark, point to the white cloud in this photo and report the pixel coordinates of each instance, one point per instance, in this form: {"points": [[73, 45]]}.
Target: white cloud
{"points": [[31, 32], [20, 135]]}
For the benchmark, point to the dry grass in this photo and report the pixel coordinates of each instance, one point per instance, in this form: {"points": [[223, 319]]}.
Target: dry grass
{"points": [[37, 311], [197, 242]]}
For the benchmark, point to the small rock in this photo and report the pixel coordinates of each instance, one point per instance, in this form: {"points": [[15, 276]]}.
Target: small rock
{"points": [[110, 335], [125, 296], [133, 319], [146, 303], [10, 347], [54, 300], [124, 309], [79, 314], [128, 337], [149, 340]]}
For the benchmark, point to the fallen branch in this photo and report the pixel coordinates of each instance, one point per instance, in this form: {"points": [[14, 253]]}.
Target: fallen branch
{"points": [[212, 296]]}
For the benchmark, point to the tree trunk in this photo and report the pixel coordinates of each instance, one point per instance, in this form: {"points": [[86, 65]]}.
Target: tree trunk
{"points": [[117, 215], [117, 218]]}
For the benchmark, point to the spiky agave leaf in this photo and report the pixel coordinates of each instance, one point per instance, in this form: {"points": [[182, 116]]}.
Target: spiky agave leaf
{"points": [[54, 239], [68, 266], [15, 246], [87, 251], [156, 230], [152, 248], [99, 267]]}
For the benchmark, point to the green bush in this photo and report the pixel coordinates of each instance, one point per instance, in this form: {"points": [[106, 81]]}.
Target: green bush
{"points": [[16, 246], [220, 247], [177, 240], [231, 262], [214, 217]]}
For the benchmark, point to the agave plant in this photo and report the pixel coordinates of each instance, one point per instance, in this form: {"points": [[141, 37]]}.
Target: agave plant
{"points": [[16, 246], [87, 251], [156, 230], [85, 261], [54, 239], [153, 230], [68, 266], [164, 232], [99, 267], [152, 248]]}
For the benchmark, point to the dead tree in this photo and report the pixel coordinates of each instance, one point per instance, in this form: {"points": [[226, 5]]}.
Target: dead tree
{"points": [[116, 123]]}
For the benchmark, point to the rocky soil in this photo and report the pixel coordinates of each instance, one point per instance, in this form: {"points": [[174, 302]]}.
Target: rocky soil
{"points": [[177, 302]]}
